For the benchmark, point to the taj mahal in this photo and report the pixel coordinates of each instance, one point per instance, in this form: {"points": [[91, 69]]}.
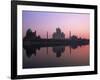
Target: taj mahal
{"points": [[58, 34]]}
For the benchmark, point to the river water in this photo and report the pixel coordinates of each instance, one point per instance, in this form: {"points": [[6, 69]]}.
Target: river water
{"points": [[56, 56]]}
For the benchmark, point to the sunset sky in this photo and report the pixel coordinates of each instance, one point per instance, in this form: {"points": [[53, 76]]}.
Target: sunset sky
{"points": [[44, 22]]}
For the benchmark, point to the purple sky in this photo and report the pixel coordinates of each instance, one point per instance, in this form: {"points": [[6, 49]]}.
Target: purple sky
{"points": [[44, 22]]}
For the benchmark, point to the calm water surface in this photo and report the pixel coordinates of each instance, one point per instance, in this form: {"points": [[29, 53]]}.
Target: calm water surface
{"points": [[57, 56]]}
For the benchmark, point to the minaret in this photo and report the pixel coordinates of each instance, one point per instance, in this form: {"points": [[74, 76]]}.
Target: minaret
{"points": [[47, 35], [70, 46], [69, 34], [47, 39]]}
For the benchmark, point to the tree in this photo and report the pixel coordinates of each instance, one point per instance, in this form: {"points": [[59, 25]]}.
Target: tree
{"points": [[29, 34]]}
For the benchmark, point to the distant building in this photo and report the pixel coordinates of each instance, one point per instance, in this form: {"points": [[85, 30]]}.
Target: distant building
{"points": [[74, 37], [58, 34]]}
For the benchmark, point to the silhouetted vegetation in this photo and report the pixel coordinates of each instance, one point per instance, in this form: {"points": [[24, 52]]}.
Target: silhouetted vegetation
{"points": [[31, 38], [31, 35]]}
